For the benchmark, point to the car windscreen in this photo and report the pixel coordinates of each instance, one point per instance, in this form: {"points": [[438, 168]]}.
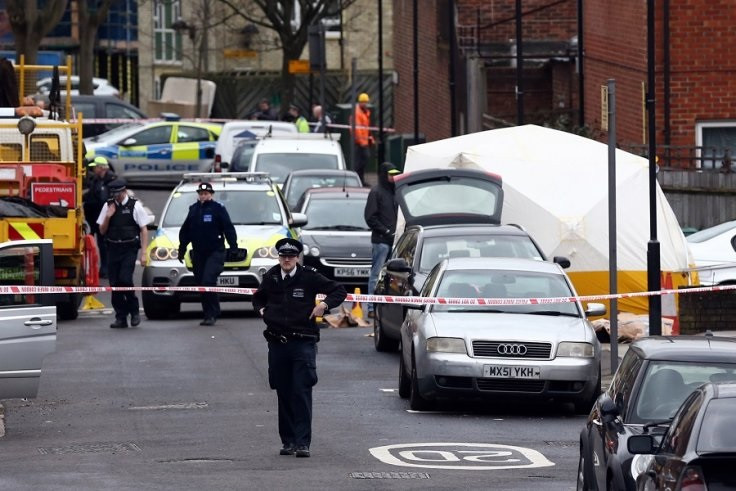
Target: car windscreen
{"points": [[280, 164], [336, 214], [667, 384], [244, 207], [711, 232], [299, 184], [716, 433], [485, 283], [459, 196], [435, 249]]}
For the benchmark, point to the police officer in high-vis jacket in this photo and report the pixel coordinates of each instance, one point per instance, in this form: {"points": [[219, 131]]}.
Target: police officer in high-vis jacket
{"points": [[286, 301], [123, 223], [207, 226]]}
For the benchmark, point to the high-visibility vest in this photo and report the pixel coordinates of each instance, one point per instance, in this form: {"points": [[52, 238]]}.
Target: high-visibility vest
{"points": [[362, 135]]}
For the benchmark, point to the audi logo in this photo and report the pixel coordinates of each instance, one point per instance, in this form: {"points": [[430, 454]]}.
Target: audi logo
{"points": [[511, 349]]}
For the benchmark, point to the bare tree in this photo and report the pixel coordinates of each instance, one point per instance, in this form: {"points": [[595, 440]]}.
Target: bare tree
{"points": [[290, 23], [32, 23], [92, 13]]}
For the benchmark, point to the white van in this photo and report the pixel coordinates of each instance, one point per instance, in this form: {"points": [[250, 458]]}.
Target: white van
{"points": [[279, 154], [236, 131]]}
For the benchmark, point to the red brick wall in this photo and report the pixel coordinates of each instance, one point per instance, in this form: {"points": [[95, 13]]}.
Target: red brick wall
{"points": [[434, 62], [703, 69]]}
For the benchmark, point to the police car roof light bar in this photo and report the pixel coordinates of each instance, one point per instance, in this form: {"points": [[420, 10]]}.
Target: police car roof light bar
{"points": [[227, 176]]}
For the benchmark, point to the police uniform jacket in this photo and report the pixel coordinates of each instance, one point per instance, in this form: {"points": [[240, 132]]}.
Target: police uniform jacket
{"points": [[206, 226], [288, 305]]}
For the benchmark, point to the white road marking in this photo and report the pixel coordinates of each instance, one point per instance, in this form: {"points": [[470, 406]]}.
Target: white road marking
{"points": [[185, 405]]}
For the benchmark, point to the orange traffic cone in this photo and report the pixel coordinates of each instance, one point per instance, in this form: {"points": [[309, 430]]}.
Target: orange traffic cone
{"points": [[357, 310]]}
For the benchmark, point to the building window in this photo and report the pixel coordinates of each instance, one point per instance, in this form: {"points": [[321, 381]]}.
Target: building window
{"points": [[331, 20], [716, 141], [167, 44]]}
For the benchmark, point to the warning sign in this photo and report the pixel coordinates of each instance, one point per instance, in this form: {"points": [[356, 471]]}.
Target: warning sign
{"points": [[54, 193]]}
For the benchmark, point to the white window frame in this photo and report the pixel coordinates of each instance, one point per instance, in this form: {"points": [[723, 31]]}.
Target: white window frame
{"points": [[699, 127], [327, 22], [162, 27]]}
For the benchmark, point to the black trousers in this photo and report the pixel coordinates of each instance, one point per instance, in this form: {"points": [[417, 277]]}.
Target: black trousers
{"points": [[120, 267], [207, 267], [292, 372], [362, 157]]}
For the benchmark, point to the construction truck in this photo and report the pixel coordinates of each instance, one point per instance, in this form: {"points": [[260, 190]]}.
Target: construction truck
{"points": [[41, 178]]}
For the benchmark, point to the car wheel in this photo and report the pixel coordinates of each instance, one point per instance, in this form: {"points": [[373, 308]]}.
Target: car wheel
{"points": [[404, 381], [416, 401], [157, 308], [381, 342], [584, 405]]}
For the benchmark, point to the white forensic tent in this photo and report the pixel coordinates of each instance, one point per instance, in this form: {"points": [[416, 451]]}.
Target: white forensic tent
{"points": [[556, 186]]}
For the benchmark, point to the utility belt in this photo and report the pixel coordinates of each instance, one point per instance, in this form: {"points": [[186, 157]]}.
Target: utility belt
{"points": [[134, 243], [285, 337]]}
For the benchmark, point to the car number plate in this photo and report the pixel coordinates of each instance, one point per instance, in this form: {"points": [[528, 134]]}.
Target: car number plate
{"points": [[227, 281], [345, 272], [505, 371]]}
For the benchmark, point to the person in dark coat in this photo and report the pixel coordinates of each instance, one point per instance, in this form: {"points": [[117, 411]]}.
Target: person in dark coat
{"points": [[206, 227], [94, 199], [286, 302], [380, 215]]}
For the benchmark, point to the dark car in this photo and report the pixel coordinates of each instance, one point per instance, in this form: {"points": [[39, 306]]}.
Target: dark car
{"points": [[337, 241], [299, 181], [698, 451], [100, 107], [655, 376]]}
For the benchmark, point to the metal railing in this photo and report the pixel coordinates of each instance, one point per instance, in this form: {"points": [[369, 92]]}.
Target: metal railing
{"points": [[695, 158]]}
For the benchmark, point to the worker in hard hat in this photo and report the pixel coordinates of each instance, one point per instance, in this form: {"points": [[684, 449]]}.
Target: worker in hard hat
{"points": [[94, 199], [362, 137]]}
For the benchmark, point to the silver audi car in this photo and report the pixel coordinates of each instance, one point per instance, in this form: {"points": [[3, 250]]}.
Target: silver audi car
{"points": [[541, 351]]}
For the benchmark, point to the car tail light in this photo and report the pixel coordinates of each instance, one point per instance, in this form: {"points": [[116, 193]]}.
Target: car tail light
{"points": [[218, 159], [692, 479], [64, 273]]}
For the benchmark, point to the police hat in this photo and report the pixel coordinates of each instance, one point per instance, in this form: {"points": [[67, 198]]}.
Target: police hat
{"points": [[289, 247], [117, 185], [205, 186]]}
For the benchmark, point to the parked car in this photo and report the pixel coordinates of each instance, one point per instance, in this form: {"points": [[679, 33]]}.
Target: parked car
{"points": [[299, 181], [655, 377], [337, 241], [260, 216], [537, 351], [27, 322], [698, 451], [159, 152], [279, 155], [100, 86], [714, 251], [246, 132], [99, 107]]}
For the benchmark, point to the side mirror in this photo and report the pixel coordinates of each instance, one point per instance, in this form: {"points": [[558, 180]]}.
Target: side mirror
{"points": [[562, 261], [129, 142], [398, 265], [298, 220], [641, 444], [224, 165], [607, 409], [209, 153], [595, 309]]}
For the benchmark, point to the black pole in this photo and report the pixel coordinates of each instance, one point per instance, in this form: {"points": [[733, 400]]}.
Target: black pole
{"points": [[653, 257], [667, 71], [381, 143], [415, 27], [612, 230], [519, 68], [581, 76], [453, 67]]}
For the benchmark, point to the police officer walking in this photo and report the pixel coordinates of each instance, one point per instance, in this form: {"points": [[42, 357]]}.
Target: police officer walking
{"points": [[123, 223], [206, 227], [286, 301]]}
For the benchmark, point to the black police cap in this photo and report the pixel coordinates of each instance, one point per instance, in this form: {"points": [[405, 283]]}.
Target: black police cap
{"points": [[289, 247], [205, 186], [117, 185]]}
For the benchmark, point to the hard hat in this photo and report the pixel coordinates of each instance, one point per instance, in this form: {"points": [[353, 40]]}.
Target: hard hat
{"points": [[99, 160], [364, 97]]}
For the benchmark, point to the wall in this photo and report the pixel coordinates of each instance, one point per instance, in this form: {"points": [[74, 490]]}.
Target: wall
{"points": [[713, 311]]}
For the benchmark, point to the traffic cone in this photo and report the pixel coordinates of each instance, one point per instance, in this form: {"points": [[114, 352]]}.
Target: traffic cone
{"points": [[357, 310]]}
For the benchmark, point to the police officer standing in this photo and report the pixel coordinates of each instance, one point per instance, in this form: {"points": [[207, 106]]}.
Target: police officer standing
{"points": [[123, 223], [207, 226], [94, 199], [286, 301]]}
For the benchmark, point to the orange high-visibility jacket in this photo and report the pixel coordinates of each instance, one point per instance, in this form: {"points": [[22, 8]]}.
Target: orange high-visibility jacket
{"points": [[363, 136]]}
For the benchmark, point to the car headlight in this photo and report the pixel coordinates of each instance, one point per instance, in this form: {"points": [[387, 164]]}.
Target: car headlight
{"points": [[266, 252], [314, 251], [446, 345], [163, 253], [639, 464], [575, 350]]}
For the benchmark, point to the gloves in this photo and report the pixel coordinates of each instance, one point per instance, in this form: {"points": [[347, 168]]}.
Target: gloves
{"points": [[182, 251]]}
